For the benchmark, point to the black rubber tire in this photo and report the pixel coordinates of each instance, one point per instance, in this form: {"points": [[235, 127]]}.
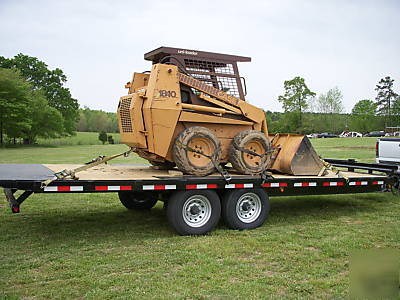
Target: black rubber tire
{"points": [[236, 157], [138, 200], [165, 165], [180, 155], [175, 212], [229, 213]]}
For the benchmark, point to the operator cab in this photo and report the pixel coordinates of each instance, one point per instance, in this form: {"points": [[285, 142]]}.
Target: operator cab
{"points": [[217, 70]]}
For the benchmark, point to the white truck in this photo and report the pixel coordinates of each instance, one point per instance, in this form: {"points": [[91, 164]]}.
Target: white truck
{"points": [[388, 151]]}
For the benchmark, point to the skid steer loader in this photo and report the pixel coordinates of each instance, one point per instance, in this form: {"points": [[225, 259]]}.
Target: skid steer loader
{"points": [[190, 111]]}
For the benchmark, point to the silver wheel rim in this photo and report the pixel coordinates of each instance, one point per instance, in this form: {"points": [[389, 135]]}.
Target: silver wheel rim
{"points": [[196, 211], [248, 207]]}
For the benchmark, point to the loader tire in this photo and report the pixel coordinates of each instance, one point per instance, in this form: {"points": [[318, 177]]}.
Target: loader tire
{"points": [[246, 163], [165, 165], [200, 139]]}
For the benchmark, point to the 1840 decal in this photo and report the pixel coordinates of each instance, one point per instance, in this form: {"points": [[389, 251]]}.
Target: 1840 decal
{"points": [[165, 93]]}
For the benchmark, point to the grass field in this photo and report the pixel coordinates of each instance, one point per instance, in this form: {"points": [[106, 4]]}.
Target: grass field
{"points": [[89, 246]]}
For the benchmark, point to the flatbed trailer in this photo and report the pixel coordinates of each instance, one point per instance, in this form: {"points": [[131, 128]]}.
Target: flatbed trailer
{"points": [[195, 204]]}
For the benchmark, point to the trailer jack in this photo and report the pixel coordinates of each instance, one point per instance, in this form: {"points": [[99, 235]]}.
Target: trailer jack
{"points": [[16, 202]]}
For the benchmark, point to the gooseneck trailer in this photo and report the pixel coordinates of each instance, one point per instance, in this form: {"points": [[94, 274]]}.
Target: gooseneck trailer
{"points": [[195, 204]]}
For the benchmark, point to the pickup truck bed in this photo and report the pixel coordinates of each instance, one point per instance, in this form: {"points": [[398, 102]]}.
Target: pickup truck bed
{"points": [[388, 151]]}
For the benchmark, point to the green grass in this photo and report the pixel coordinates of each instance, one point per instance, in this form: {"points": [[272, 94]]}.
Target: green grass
{"points": [[362, 149], [89, 246], [78, 154], [81, 138]]}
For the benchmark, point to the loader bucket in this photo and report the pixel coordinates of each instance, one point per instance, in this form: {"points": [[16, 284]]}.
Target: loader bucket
{"points": [[296, 155]]}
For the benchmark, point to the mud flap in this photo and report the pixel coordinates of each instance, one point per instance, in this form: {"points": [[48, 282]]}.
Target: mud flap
{"points": [[296, 155]]}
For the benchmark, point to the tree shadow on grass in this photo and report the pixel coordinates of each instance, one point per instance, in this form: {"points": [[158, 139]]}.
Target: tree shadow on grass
{"points": [[69, 225]]}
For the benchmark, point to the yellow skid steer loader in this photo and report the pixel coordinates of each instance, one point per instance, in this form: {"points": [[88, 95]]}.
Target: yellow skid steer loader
{"points": [[190, 111]]}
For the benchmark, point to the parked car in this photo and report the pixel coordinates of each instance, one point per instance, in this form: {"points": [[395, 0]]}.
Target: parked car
{"points": [[350, 134], [387, 150], [375, 134], [312, 135], [396, 133], [327, 135]]}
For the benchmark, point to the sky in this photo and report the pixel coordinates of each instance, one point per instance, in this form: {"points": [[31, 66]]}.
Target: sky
{"points": [[99, 44]]}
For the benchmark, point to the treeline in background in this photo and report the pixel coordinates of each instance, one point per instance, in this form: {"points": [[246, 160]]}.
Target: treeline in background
{"points": [[35, 105], [305, 112], [97, 121]]}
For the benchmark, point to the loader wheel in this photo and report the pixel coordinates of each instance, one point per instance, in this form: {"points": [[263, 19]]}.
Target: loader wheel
{"points": [[246, 163], [200, 139], [165, 165], [138, 200]]}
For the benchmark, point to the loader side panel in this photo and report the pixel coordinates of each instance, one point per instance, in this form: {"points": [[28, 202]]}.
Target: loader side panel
{"points": [[139, 80], [162, 108]]}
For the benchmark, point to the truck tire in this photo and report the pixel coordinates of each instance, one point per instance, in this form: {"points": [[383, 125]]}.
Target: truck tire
{"points": [[194, 212], [245, 208], [200, 139], [138, 200], [246, 163], [165, 165]]}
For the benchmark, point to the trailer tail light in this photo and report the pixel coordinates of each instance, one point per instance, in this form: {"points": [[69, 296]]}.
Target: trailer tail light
{"points": [[377, 148]]}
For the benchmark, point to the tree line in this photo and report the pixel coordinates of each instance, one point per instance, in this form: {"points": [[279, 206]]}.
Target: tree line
{"points": [[34, 102], [97, 121], [304, 112]]}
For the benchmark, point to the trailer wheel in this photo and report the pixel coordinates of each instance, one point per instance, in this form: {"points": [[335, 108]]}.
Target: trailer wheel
{"points": [[138, 200], [194, 212], [245, 209], [200, 139], [246, 163]]}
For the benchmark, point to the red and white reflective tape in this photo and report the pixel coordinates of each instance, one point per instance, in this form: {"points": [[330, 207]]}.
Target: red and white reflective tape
{"points": [[201, 186], [358, 183], [333, 183], [71, 188], [239, 186], [113, 188], [275, 184], [378, 182], [159, 187], [304, 184]]}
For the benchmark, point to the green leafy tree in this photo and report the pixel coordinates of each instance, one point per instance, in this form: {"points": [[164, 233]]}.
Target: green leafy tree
{"points": [[330, 104], [385, 98], [15, 99], [24, 111], [46, 121], [51, 82], [103, 137], [295, 100], [363, 116]]}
